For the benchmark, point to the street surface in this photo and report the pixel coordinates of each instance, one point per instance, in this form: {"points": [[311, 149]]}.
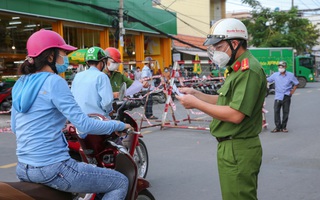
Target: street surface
{"points": [[183, 161]]}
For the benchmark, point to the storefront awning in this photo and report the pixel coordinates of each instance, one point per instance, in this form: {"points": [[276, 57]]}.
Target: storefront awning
{"points": [[200, 53], [139, 15]]}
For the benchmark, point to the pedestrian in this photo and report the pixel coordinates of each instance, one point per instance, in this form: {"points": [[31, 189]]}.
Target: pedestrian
{"points": [[236, 111], [166, 75], [42, 103], [147, 73], [285, 85], [113, 57], [137, 74], [131, 75], [91, 88]]}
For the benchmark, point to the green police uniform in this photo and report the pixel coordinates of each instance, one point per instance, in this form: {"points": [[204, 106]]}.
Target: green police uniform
{"points": [[239, 151], [116, 79]]}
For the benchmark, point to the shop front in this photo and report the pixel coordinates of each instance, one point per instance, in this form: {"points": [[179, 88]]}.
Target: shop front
{"points": [[83, 26]]}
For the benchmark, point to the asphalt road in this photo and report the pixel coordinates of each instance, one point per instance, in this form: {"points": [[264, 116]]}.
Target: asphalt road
{"points": [[183, 161]]}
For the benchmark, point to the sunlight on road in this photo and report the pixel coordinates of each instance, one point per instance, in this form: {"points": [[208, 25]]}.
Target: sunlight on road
{"points": [[8, 165]]}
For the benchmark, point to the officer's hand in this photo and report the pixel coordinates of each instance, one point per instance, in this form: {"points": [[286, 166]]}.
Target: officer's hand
{"points": [[187, 90], [145, 84], [116, 95], [188, 101]]}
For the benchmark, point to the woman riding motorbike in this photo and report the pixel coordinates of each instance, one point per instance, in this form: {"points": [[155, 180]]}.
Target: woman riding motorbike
{"points": [[42, 102]]}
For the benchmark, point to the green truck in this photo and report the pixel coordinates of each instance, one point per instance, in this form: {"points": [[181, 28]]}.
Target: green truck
{"points": [[302, 66]]}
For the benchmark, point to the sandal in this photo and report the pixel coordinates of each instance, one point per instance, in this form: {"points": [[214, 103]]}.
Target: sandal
{"points": [[285, 130], [275, 130], [152, 117]]}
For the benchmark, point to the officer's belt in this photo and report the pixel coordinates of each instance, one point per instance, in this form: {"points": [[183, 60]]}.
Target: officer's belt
{"points": [[221, 139]]}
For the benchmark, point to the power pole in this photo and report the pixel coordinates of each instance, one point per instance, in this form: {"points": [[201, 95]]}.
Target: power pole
{"points": [[121, 32], [292, 3]]}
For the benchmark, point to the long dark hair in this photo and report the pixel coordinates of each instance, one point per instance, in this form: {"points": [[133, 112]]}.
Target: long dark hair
{"points": [[32, 65]]}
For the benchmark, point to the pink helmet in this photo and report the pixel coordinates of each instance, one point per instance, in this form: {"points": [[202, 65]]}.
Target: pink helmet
{"points": [[113, 53], [45, 39]]}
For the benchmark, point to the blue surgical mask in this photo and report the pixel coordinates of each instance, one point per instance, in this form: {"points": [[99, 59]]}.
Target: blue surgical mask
{"points": [[63, 67]]}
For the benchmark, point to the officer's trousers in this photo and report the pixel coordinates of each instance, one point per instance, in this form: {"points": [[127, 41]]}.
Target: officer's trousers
{"points": [[239, 162]]}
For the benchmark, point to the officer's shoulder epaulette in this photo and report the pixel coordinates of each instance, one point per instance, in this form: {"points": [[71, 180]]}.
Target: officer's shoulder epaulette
{"points": [[236, 66], [245, 64]]}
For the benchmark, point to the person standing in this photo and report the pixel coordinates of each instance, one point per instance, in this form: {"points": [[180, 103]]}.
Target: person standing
{"points": [[147, 73], [285, 85], [41, 104], [137, 74], [91, 88], [166, 75], [236, 111], [131, 74]]}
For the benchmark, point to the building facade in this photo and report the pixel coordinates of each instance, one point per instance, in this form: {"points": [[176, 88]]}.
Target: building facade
{"points": [[146, 30], [194, 18]]}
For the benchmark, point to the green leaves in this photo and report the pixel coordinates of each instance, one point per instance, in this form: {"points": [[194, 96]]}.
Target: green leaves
{"points": [[280, 28]]}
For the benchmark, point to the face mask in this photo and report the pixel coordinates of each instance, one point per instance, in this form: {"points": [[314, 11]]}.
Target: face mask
{"points": [[113, 66], [281, 70], [152, 65], [63, 67], [165, 70], [219, 58]]}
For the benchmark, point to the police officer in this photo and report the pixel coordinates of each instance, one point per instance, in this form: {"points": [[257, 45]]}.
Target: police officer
{"points": [[236, 111]]}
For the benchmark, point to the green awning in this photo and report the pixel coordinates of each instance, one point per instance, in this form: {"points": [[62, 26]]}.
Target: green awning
{"points": [[140, 15]]}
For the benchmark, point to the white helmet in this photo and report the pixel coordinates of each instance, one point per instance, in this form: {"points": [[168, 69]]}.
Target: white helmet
{"points": [[226, 29]]}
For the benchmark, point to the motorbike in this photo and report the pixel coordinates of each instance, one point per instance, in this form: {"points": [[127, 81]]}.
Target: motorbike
{"points": [[270, 88], [135, 146], [5, 99], [95, 149]]}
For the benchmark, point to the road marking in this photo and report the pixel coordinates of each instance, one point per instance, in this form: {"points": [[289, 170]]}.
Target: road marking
{"points": [[145, 132], [8, 165]]}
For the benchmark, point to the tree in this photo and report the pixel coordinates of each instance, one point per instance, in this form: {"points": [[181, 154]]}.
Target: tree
{"points": [[280, 28]]}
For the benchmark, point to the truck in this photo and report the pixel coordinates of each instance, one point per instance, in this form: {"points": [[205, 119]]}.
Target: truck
{"points": [[302, 66]]}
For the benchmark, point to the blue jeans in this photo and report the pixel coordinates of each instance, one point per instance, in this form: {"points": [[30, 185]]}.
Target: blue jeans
{"points": [[78, 177]]}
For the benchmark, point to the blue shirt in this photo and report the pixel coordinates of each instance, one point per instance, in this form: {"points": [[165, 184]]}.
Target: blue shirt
{"points": [[93, 92], [283, 83], [38, 128], [146, 73]]}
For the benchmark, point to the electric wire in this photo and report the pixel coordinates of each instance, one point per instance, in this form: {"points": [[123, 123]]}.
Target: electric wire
{"points": [[114, 12]]}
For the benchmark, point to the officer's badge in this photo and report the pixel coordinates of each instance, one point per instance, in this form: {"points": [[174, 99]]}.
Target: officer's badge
{"points": [[236, 66], [245, 64]]}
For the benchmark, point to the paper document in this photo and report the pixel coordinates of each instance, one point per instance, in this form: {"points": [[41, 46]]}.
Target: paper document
{"points": [[176, 90], [134, 88]]}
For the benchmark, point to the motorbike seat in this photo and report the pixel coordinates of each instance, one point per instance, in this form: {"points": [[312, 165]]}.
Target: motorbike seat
{"points": [[30, 191]]}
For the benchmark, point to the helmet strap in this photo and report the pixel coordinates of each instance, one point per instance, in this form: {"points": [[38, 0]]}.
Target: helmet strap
{"points": [[53, 63], [234, 51], [103, 65]]}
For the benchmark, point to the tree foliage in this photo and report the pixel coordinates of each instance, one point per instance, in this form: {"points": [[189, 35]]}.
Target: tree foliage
{"points": [[280, 28]]}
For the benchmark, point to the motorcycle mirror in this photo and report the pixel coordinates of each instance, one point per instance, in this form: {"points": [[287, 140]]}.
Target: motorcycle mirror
{"points": [[122, 91]]}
